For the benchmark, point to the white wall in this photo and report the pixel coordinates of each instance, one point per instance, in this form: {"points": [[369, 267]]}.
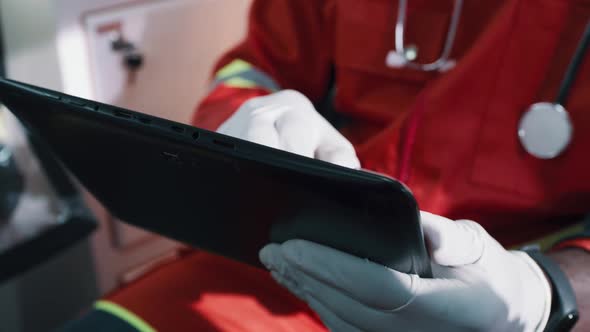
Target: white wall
{"points": [[29, 39]]}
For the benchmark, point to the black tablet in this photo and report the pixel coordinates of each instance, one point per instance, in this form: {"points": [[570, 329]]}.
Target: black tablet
{"points": [[216, 192]]}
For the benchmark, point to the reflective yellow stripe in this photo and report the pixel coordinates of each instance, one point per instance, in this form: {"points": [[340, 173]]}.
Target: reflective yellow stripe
{"points": [[238, 82], [241, 74], [124, 314], [548, 241], [234, 67]]}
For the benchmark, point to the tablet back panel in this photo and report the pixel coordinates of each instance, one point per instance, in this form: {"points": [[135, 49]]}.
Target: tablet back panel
{"points": [[218, 193]]}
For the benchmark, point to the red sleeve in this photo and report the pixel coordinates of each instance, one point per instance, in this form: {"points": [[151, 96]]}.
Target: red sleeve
{"points": [[220, 104], [286, 41]]}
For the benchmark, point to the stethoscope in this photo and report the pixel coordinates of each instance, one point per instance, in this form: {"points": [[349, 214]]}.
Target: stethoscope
{"points": [[545, 129], [405, 56]]}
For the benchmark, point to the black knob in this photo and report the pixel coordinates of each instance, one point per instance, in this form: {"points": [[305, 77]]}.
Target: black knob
{"points": [[122, 45], [133, 61]]}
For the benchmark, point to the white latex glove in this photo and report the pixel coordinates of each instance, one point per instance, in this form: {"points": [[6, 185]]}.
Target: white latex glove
{"points": [[287, 120], [477, 284]]}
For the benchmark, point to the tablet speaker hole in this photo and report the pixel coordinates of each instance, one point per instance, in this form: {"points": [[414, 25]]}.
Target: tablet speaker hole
{"points": [[145, 120], [122, 114], [226, 145], [93, 107], [169, 156], [177, 129]]}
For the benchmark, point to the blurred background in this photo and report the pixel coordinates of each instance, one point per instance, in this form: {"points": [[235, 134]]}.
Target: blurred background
{"points": [[146, 55]]}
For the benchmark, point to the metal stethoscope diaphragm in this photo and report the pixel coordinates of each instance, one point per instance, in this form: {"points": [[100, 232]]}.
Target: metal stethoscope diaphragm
{"points": [[545, 129]]}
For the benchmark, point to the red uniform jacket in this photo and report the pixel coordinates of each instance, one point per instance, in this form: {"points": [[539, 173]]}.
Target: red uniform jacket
{"points": [[451, 137]]}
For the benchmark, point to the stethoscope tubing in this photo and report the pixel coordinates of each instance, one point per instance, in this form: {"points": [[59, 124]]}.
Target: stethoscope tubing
{"points": [[573, 68], [449, 41]]}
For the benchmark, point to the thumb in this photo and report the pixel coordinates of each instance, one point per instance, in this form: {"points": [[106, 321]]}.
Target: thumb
{"points": [[453, 243], [336, 149]]}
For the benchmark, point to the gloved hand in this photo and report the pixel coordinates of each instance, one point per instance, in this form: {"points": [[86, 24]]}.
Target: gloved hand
{"points": [[477, 284], [287, 120]]}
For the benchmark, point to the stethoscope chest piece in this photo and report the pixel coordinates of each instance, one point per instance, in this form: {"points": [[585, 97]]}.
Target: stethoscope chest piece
{"points": [[545, 130]]}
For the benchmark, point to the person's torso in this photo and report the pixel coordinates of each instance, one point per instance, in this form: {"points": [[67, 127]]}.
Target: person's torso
{"points": [[452, 137]]}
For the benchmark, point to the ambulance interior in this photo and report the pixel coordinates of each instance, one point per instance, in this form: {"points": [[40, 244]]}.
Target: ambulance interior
{"points": [[155, 56]]}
